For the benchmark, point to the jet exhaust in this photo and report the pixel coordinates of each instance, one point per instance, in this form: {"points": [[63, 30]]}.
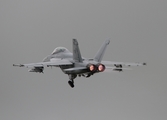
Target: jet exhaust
{"points": [[101, 67], [92, 67], [96, 68]]}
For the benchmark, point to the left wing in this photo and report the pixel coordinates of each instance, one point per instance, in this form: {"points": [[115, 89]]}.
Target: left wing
{"points": [[52, 63]]}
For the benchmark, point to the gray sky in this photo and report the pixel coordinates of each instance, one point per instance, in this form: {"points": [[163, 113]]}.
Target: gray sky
{"points": [[31, 29]]}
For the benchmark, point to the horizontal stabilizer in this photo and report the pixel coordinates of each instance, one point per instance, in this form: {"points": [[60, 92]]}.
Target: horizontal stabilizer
{"points": [[77, 70]]}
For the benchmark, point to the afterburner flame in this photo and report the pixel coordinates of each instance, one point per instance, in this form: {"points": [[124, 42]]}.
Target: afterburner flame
{"points": [[101, 68], [91, 67]]}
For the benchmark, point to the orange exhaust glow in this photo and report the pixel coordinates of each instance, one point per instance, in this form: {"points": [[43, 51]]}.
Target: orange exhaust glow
{"points": [[101, 68], [91, 67]]}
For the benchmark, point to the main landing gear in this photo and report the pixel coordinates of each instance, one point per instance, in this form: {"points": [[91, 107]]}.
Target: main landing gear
{"points": [[71, 81]]}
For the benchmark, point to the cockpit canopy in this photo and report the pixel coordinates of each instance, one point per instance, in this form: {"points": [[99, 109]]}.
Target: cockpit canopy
{"points": [[59, 49]]}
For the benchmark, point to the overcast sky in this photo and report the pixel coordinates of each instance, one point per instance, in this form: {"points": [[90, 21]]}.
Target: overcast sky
{"points": [[31, 29]]}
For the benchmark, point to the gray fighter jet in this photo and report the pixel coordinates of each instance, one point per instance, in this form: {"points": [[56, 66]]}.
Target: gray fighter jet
{"points": [[73, 64]]}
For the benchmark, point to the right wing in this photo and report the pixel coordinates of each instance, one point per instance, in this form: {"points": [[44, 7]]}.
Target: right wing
{"points": [[109, 69], [120, 64]]}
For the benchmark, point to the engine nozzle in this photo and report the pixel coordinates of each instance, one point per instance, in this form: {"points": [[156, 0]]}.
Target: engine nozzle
{"points": [[101, 67], [92, 67], [96, 68]]}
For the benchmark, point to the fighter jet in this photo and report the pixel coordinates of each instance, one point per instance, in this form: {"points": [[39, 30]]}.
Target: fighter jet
{"points": [[73, 64]]}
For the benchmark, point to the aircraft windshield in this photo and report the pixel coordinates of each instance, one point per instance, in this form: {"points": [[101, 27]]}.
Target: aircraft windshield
{"points": [[58, 50]]}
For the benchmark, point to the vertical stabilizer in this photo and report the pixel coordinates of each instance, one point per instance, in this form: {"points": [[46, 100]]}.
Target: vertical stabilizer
{"points": [[99, 55], [76, 52]]}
